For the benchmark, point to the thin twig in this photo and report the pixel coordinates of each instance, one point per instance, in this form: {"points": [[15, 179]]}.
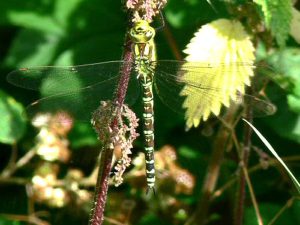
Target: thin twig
{"points": [[288, 204], [253, 198], [241, 192], [12, 161], [172, 43], [20, 163], [259, 166]]}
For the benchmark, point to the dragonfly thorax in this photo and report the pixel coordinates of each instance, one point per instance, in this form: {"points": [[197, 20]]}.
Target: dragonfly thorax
{"points": [[142, 35]]}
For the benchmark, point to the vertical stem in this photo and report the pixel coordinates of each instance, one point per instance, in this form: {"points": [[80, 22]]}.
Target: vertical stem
{"points": [[100, 196], [126, 70], [101, 189], [240, 200], [11, 166], [212, 174], [172, 42]]}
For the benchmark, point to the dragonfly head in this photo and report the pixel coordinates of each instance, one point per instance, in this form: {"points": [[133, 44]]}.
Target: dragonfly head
{"points": [[141, 32]]}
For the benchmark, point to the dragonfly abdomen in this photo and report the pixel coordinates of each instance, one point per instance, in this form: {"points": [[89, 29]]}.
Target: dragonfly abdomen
{"points": [[148, 116]]}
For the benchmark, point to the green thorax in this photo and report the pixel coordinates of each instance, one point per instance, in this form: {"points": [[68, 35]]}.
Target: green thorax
{"points": [[142, 36]]}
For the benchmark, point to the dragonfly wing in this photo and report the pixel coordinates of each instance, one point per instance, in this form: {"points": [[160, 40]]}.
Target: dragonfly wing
{"points": [[79, 104], [76, 90], [63, 79], [199, 89]]}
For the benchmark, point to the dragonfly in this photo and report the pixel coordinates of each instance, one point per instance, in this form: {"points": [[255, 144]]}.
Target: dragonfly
{"points": [[78, 90]]}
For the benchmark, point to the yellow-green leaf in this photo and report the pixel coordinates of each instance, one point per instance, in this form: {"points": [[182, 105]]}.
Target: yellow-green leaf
{"points": [[225, 45]]}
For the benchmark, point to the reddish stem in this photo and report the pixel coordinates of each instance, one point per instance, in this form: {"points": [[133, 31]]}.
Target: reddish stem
{"points": [[97, 215]]}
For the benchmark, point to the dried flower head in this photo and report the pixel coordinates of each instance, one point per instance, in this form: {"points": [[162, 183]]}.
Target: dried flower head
{"points": [[120, 137], [145, 9]]}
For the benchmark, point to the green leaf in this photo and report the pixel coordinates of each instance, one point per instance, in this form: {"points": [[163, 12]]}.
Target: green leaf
{"points": [[188, 153], [295, 211], [63, 11], [30, 14], [45, 16], [228, 43], [83, 135], [277, 15], [294, 103], [4, 221], [268, 211], [287, 64], [12, 123], [32, 20], [32, 48]]}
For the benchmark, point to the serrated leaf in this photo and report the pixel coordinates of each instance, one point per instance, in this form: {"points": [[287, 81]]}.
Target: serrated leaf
{"points": [[220, 42], [277, 15], [12, 123], [295, 25]]}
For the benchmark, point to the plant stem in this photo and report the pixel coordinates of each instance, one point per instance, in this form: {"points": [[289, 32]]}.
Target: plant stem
{"points": [[101, 189], [212, 174], [13, 166], [244, 158], [172, 42], [100, 196]]}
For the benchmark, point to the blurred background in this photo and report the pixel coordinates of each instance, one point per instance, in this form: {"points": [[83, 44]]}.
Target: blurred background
{"points": [[48, 174]]}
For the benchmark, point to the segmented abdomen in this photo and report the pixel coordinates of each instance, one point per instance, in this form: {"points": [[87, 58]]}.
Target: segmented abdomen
{"points": [[148, 116]]}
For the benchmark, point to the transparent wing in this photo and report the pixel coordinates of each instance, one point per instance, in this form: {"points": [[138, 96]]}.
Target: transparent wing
{"points": [[76, 90], [206, 84]]}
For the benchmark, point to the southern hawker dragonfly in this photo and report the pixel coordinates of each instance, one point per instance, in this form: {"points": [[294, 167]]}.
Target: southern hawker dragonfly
{"points": [[78, 90]]}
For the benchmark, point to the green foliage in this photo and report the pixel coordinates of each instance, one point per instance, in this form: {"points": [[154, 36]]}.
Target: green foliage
{"points": [[287, 62], [56, 34], [267, 210], [87, 134], [68, 32], [12, 124], [4, 221], [277, 15]]}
